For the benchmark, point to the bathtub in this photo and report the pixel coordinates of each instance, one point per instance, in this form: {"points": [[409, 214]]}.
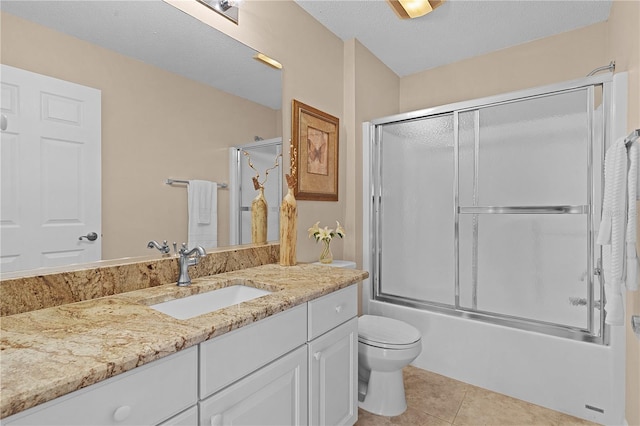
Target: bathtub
{"points": [[582, 379]]}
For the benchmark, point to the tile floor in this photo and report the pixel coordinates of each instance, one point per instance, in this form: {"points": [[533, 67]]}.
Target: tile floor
{"points": [[435, 400]]}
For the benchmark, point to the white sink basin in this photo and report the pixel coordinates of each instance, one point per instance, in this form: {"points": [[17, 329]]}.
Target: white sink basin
{"points": [[198, 304]]}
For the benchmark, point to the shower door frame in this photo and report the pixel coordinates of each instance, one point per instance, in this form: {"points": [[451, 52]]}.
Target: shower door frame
{"points": [[594, 197]]}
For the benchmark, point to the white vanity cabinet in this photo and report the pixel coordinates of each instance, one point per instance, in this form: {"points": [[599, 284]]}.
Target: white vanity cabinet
{"points": [[333, 358], [274, 395], [234, 355], [266, 365], [314, 383], [145, 395], [297, 367]]}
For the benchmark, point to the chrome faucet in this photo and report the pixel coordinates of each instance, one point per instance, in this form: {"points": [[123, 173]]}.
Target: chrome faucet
{"points": [[185, 260], [164, 248]]}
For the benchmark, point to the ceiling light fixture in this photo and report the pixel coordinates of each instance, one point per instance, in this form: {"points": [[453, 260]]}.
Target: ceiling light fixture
{"points": [[406, 9], [267, 60], [226, 8]]}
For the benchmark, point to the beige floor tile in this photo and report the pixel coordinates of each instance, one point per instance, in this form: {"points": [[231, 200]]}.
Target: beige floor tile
{"points": [[367, 419], [483, 407], [413, 417], [567, 420], [435, 400], [433, 394]]}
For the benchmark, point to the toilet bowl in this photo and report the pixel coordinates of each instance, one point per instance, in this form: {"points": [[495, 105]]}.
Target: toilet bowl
{"points": [[385, 347]]}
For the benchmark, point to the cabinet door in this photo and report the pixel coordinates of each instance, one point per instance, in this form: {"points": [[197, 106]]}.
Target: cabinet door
{"points": [[333, 376], [274, 395]]}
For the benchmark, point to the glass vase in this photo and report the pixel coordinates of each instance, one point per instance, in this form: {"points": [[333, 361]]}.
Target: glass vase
{"points": [[325, 255]]}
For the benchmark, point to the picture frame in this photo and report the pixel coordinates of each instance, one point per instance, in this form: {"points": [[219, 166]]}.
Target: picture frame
{"points": [[314, 137]]}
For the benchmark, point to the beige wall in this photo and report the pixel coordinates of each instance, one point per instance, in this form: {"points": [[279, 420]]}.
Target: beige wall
{"points": [[371, 91], [155, 125], [312, 59], [550, 60]]}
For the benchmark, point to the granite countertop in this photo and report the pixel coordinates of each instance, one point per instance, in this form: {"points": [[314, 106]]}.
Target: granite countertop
{"points": [[50, 352]]}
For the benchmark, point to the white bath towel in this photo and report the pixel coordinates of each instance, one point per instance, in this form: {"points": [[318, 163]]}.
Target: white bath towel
{"points": [[611, 234], [632, 217], [203, 214]]}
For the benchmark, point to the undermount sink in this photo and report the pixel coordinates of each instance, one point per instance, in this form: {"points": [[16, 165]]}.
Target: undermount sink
{"points": [[198, 304]]}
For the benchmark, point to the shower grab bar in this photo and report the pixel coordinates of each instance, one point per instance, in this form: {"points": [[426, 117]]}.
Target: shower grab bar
{"points": [[186, 182], [633, 136], [584, 209]]}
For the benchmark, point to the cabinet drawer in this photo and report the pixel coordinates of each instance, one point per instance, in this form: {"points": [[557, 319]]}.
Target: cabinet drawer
{"points": [[230, 357], [332, 310], [146, 395]]}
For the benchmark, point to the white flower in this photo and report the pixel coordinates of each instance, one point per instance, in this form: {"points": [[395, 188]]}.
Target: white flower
{"points": [[313, 231], [325, 234]]}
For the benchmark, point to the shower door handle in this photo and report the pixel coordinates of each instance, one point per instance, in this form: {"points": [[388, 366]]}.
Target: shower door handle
{"points": [[599, 272]]}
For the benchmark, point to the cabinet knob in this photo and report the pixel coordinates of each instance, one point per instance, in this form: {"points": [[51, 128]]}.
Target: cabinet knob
{"points": [[317, 356], [338, 309], [121, 413], [216, 420]]}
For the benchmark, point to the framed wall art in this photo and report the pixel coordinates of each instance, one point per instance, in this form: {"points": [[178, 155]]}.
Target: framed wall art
{"points": [[315, 138]]}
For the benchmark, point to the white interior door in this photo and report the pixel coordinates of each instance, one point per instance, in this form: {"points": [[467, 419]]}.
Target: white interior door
{"points": [[51, 172]]}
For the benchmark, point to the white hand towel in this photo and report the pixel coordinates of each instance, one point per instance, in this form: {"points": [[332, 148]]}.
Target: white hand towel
{"points": [[611, 234], [203, 214], [201, 192]]}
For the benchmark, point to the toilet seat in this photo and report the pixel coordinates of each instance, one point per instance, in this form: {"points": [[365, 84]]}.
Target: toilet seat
{"points": [[386, 333]]}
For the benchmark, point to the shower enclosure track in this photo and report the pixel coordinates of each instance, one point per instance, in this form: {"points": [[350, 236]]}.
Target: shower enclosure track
{"points": [[580, 209]]}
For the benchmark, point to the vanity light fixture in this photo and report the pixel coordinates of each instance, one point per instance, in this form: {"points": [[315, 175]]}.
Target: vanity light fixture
{"points": [[267, 60], [226, 8], [407, 9]]}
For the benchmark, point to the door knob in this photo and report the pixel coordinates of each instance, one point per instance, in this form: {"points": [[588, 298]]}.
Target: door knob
{"points": [[91, 236]]}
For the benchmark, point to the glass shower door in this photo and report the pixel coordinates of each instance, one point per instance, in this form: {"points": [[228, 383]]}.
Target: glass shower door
{"points": [[263, 154], [415, 245], [525, 218]]}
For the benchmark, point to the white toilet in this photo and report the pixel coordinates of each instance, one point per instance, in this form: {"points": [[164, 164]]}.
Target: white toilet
{"points": [[385, 347]]}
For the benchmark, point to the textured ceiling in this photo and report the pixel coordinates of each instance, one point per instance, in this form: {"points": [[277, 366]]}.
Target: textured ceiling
{"points": [[456, 30], [157, 33]]}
